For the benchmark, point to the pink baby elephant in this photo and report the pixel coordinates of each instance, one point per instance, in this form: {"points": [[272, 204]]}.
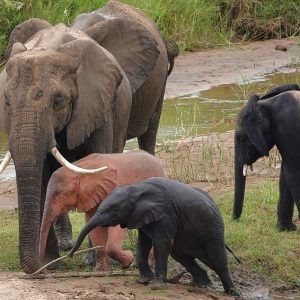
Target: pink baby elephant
{"points": [[68, 191]]}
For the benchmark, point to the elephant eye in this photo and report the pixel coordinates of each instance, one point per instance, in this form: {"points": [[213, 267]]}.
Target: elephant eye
{"points": [[59, 102]]}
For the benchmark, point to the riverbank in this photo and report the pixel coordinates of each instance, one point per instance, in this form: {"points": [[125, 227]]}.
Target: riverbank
{"points": [[194, 72]]}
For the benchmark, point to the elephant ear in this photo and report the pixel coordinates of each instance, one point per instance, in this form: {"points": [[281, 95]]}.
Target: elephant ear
{"points": [[150, 207], [24, 31], [94, 188], [131, 44], [255, 122], [98, 78]]}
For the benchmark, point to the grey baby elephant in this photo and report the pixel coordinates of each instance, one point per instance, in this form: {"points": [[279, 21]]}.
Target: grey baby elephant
{"points": [[176, 219]]}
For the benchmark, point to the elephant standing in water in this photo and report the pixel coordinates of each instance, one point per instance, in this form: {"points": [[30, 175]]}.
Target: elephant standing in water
{"points": [[81, 90], [273, 119]]}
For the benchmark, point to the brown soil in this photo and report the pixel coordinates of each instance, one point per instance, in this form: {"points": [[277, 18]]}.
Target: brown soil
{"points": [[193, 72]]}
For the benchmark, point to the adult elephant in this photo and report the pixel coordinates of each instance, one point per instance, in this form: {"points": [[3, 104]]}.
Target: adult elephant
{"points": [[61, 88], [273, 119]]}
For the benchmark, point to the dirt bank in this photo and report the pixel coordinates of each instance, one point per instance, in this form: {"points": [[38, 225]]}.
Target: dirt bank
{"points": [[193, 72]]}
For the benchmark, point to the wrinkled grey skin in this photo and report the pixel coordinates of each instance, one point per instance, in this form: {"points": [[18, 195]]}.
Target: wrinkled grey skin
{"points": [[272, 119], [61, 88], [173, 217]]}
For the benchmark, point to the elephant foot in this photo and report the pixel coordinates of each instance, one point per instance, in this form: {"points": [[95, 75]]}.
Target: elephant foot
{"points": [[286, 227], [128, 259], [145, 278], [201, 283], [201, 280], [65, 244], [233, 292], [54, 266], [100, 267], [57, 265], [158, 285], [175, 279], [89, 259]]}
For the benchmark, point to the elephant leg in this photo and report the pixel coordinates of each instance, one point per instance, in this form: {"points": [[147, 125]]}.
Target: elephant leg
{"points": [[161, 253], [147, 141], [285, 207], [115, 237], [89, 259], [98, 237], [63, 230], [144, 245], [213, 254], [100, 141], [200, 277]]}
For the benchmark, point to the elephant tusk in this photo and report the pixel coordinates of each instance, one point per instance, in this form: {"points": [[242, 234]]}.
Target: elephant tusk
{"points": [[245, 170], [72, 167], [5, 161]]}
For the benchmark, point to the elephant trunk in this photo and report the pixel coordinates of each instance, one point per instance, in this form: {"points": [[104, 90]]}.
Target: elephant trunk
{"points": [[29, 144], [48, 218], [89, 226], [29, 178], [240, 183]]}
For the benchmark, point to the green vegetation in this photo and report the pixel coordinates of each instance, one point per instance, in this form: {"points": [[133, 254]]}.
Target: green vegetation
{"points": [[271, 254], [255, 239], [194, 24]]}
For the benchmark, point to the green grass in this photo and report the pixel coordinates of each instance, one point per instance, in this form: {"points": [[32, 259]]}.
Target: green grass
{"points": [[273, 255], [255, 239], [194, 24]]}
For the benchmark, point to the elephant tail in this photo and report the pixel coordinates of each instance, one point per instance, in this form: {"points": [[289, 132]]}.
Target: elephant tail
{"points": [[173, 51], [237, 259]]}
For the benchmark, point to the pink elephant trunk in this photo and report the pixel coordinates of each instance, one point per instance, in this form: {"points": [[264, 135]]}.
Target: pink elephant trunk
{"points": [[48, 218]]}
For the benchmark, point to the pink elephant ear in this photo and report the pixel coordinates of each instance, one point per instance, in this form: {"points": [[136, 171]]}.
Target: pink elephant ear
{"points": [[94, 188]]}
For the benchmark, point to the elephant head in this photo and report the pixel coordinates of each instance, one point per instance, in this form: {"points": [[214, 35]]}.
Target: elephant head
{"points": [[57, 88], [254, 137], [131, 206], [69, 191]]}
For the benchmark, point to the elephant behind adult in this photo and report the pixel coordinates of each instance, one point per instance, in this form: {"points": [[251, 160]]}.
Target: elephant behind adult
{"points": [[107, 23], [272, 119], [44, 104]]}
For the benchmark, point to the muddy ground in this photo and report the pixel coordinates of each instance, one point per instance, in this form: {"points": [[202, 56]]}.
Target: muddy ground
{"points": [[193, 72]]}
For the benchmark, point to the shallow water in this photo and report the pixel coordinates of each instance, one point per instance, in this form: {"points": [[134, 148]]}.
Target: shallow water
{"points": [[213, 110]]}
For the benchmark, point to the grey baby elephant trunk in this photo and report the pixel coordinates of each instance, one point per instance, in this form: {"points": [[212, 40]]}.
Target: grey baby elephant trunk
{"points": [[240, 184], [93, 223]]}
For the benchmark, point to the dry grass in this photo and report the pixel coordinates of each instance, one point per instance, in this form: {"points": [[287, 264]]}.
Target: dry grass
{"points": [[210, 159]]}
